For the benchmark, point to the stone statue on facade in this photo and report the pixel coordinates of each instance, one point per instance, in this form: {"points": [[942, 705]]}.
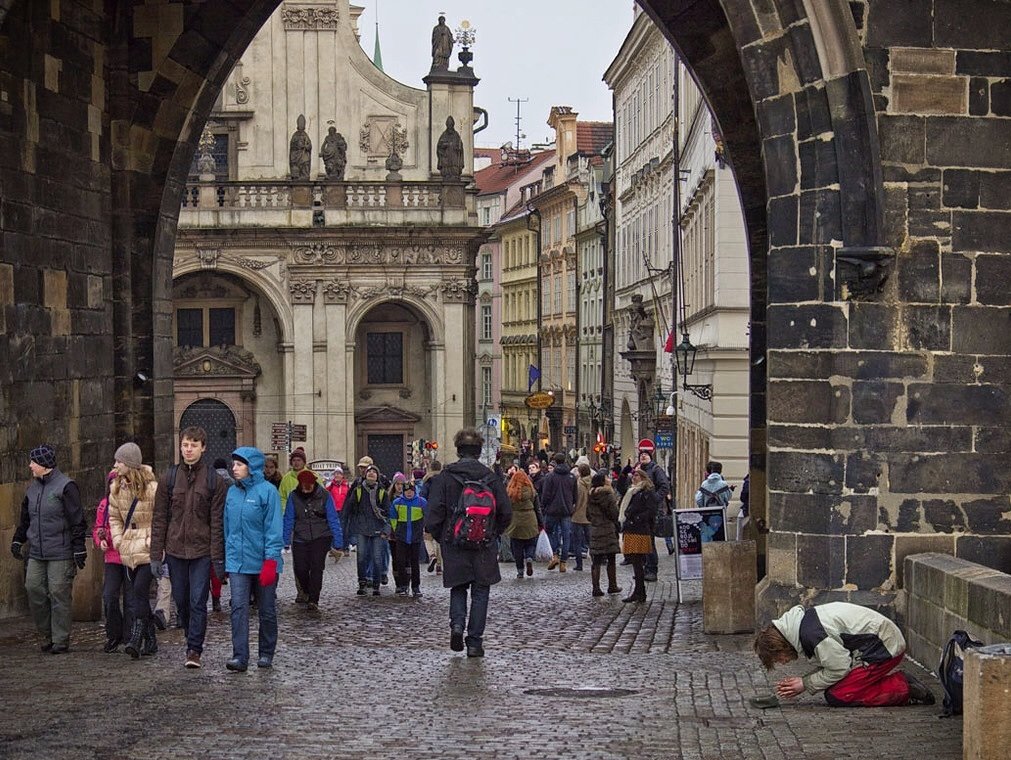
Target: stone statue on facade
{"points": [[442, 45], [300, 152], [449, 151], [641, 327], [334, 154]]}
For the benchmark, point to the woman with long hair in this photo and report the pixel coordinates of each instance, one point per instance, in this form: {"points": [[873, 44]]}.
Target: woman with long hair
{"points": [[131, 507], [602, 512], [638, 512], [526, 522], [115, 588]]}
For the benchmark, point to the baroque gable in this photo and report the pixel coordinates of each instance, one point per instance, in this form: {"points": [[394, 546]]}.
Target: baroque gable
{"points": [[216, 361]]}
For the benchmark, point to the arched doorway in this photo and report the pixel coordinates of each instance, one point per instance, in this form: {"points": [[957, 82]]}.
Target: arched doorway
{"points": [[217, 421], [394, 395]]}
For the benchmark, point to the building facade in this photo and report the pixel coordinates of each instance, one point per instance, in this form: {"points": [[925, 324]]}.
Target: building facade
{"points": [[339, 298]]}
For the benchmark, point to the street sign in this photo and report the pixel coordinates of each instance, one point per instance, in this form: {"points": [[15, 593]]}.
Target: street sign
{"points": [[665, 440], [539, 400], [646, 444], [299, 433], [570, 430], [279, 428], [492, 422]]}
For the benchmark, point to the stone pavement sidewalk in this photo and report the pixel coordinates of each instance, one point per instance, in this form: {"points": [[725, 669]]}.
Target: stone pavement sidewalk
{"points": [[565, 675]]}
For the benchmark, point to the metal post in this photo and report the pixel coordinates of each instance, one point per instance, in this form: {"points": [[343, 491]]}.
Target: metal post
{"points": [[674, 264]]}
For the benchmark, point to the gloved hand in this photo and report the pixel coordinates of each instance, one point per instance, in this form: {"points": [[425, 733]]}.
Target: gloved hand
{"points": [[156, 568], [336, 554], [16, 549], [268, 573], [219, 570], [80, 559]]}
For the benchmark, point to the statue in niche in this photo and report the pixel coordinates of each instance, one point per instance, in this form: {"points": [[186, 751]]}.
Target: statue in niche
{"points": [[334, 154], [300, 152], [442, 45], [449, 151], [641, 327]]}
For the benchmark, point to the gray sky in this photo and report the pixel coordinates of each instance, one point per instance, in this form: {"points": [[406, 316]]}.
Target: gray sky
{"points": [[553, 52]]}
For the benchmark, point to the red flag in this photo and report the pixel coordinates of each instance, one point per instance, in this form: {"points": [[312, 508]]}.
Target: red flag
{"points": [[668, 347]]}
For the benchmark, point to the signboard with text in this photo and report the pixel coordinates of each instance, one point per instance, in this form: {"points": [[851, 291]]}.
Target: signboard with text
{"points": [[665, 440], [692, 528]]}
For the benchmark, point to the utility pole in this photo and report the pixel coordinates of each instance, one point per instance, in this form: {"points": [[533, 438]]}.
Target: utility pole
{"points": [[519, 134], [675, 263]]}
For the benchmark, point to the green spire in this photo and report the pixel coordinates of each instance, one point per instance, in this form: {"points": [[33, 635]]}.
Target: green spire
{"points": [[377, 54]]}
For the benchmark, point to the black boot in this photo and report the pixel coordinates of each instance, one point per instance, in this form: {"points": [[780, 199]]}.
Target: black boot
{"points": [[595, 578], [136, 639], [612, 578], [149, 645]]}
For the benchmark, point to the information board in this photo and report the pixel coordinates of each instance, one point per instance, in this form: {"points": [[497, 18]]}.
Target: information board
{"points": [[692, 528]]}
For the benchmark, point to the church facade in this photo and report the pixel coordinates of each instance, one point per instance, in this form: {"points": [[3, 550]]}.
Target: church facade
{"points": [[324, 273]]}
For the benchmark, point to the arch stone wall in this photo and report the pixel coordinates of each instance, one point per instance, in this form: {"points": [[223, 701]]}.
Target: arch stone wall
{"points": [[875, 192]]}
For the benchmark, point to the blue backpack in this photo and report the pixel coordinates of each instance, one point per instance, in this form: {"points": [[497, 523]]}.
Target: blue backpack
{"points": [[951, 669]]}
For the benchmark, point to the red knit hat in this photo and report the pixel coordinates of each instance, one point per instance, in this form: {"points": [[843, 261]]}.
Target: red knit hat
{"points": [[306, 478]]}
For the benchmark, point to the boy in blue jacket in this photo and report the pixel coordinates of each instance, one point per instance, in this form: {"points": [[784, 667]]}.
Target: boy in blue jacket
{"points": [[407, 520]]}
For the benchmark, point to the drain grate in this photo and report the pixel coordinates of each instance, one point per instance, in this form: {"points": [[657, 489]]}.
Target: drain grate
{"points": [[584, 693]]}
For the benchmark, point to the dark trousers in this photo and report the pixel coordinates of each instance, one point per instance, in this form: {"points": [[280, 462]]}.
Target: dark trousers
{"points": [[191, 581], [309, 560], [523, 549], [458, 617], [406, 560], [652, 560], [580, 542], [116, 602], [139, 580]]}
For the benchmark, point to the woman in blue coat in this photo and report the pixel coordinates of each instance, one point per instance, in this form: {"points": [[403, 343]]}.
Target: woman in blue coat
{"points": [[253, 543]]}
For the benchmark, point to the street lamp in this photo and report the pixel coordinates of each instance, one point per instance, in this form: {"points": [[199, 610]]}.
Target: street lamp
{"points": [[684, 355]]}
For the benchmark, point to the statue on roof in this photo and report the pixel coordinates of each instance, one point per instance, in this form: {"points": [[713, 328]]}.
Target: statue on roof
{"points": [[300, 152], [449, 151], [334, 154], [442, 45]]}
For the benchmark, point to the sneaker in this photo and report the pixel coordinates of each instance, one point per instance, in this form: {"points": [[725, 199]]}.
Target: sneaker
{"points": [[475, 651], [416, 593], [519, 575], [530, 567], [650, 578], [431, 566], [112, 645], [236, 665], [59, 649], [47, 647], [456, 639], [385, 580], [438, 569], [192, 659], [401, 591], [312, 607], [301, 598], [265, 662], [159, 620], [361, 591], [561, 567], [919, 694]]}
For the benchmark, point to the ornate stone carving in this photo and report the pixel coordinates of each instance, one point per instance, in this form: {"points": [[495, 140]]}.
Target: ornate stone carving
{"points": [[456, 290], [382, 135], [300, 152], [398, 140], [317, 253], [450, 152], [861, 272], [365, 138], [252, 264], [217, 360], [208, 257], [205, 157], [309, 17], [337, 291], [641, 328], [302, 291]]}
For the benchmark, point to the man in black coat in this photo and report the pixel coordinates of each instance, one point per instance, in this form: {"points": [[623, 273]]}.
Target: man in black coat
{"points": [[661, 485], [559, 492], [466, 568]]}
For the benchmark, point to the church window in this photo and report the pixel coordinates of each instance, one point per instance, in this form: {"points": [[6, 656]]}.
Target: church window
{"points": [[385, 358]]}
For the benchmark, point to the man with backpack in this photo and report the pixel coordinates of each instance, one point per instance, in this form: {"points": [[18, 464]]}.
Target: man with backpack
{"points": [[468, 510], [714, 491], [187, 529], [857, 651]]}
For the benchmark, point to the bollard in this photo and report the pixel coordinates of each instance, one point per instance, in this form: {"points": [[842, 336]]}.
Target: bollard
{"points": [[986, 719], [729, 576]]}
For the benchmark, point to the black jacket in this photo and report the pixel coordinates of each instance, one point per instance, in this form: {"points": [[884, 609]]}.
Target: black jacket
{"points": [[640, 514], [660, 481], [559, 492], [52, 518], [462, 566]]}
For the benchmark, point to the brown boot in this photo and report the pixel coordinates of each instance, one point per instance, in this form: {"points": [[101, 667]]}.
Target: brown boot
{"points": [[553, 563], [561, 567], [595, 578], [612, 578]]}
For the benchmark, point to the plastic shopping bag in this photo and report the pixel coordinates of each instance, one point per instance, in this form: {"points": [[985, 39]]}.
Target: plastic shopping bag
{"points": [[543, 552]]}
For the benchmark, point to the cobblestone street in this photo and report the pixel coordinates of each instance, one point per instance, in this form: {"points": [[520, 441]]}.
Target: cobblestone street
{"points": [[375, 678]]}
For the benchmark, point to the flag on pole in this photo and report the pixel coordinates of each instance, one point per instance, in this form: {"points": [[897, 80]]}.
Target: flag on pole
{"points": [[668, 347], [534, 376]]}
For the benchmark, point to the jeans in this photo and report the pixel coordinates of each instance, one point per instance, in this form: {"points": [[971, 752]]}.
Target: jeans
{"points": [[559, 531], [49, 584], [580, 541], [115, 589], [191, 580], [523, 549], [371, 559], [478, 610], [309, 560], [244, 584], [139, 579]]}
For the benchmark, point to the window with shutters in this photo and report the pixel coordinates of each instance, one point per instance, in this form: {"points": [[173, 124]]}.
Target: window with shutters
{"points": [[385, 358]]}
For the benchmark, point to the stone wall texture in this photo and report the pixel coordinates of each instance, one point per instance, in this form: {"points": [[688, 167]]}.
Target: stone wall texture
{"points": [[871, 146]]}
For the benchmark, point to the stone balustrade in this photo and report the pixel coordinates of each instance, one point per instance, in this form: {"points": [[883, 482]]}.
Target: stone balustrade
{"points": [[944, 594], [288, 204]]}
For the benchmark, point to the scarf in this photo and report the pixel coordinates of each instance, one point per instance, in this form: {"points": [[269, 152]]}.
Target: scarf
{"points": [[373, 492], [627, 499]]}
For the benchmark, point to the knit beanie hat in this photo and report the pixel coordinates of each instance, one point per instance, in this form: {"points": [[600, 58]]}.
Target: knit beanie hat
{"points": [[418, 474], [129, 454], [44, 455], [338, 469], [299, 452], [306, 478], [399, 477]]}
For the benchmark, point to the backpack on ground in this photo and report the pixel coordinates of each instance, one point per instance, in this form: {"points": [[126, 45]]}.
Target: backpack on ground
{"points": [[718, 498], [950, 670], [473, 523]]}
